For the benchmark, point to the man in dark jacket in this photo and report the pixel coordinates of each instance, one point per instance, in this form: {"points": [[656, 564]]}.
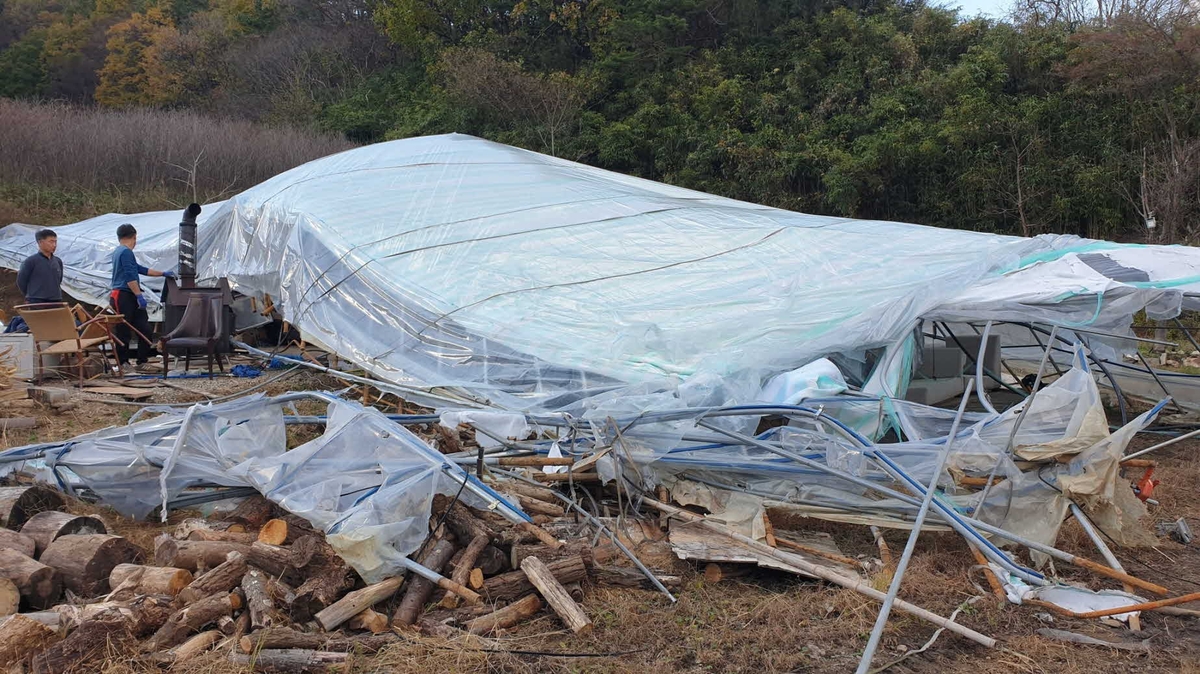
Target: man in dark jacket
{"points": [[41, 274], [127, 297]]}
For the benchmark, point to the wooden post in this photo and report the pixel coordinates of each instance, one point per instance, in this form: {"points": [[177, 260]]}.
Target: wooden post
{"points": [[45, 527], [510, 615], [39, 584], [556, 595]]}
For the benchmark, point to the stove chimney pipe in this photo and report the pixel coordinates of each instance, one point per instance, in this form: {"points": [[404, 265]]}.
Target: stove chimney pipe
{"points": [[187, 247]]}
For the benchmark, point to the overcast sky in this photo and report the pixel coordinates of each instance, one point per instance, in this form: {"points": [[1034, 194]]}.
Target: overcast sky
{"points": [[992, 8]]}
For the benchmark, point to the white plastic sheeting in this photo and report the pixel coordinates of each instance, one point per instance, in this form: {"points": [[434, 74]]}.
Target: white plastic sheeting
{"points": [[367, 482], [536, 282]]}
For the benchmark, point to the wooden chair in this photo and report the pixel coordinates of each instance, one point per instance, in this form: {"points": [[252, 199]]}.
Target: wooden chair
{"points": [[56, 323]]}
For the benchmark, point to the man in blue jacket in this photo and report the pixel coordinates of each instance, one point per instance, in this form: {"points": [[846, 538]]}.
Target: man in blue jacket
{"points": [[127, 297]]}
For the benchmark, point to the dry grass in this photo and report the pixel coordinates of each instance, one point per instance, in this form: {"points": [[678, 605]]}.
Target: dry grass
{"points": [[55, 144]]}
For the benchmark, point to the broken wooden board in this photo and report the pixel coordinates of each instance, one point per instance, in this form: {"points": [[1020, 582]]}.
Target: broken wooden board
{"points": [[127, 392], [693, 541]]}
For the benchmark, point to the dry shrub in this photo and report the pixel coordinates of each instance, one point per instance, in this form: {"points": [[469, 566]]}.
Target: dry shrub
{"points": [[181, 152]]}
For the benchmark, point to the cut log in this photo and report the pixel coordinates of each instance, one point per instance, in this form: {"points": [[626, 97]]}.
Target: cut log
{"points": [[715, 573], [556, 595], [525, 489], [274, 532], [575, 590], [459, 520], [420, 589], [515, 584], [21, 637], [45, 527], [38, 584], [17, 542], [291, 660], [370, 620], [83, 648], [143, 615], [510, 615], [475, 580], [253, 512], [17, 423], [222, 536], [52, 619], [191, 619], [463, 565], [567, 477], [548, 554], [492, 561], [227, 625], [194, 555], [627, 577], [85, 561], [18, 504], [164, 580], [328, 577], [10, 598], [259, 602], [310, 550], [286, 637], [220, 580], [353, 603], [196, 646], [274, 559], [535, 506], [539, 534]]}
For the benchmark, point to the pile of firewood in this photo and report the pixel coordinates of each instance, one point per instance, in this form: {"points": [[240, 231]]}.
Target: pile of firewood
{"points": [[266, 589]]}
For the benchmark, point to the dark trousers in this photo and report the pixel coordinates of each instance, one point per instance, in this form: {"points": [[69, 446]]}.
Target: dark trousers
{"points": [[127, 306]]}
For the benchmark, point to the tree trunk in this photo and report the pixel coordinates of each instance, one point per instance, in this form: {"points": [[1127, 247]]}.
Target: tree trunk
{"points": [[17, 542], [39, 584], [45, 527], [510, 615], [10, 598], [85, 561], [164, 580], [290, 661], [353, 603], [258, 600], [18, 504], [515, 584], [556, 595], [84, 648], [191, 619], [463, 566], [253, 512], [420, 589], [223, 578], [21, 637], [194, 555]]}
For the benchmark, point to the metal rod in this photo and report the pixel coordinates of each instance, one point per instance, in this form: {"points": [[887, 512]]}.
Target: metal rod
{"points": [[1186, 333], [1160, 445], [983, 399], [864, 665], [1046, 347], [1160, 383], [1089, 331]]}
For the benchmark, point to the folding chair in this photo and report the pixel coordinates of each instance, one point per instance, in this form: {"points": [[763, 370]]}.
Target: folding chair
{"points": [[55, 323]]}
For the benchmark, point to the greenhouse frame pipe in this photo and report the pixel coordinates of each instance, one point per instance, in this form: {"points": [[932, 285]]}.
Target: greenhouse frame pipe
{"points": [[1160, 383], [975, 361], [1186, 333], [1160, 445], [983, 399], [864, 664], [1112, 381]]}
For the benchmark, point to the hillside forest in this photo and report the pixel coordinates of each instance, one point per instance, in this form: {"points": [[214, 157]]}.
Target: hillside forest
{"points": [[1068, 116]]}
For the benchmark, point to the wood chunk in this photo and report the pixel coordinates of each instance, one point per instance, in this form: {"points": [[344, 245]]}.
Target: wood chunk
{"points": [[85, 561], [274, 559], [475, 580], [221, 579], [420, 589], [274, 532], [525, 489], [163, 580], [197, 645], [309, 550], [259, 602], [194, 555], [460, 521], [370, 620], [556, 595], [328, 577], [464, 563], [548, 554], [191, 619], [45, 527], [715, 573], [286, 637], [222, 536], [227, 625], [87, 645], [353, 603], [38, 584], [492, 561], [21, 637], [535, 506], [627, 577], [17, 542], [18, 504], [510, 615], [510, 586], [10, 598], [143, 615], [52, 619], [252, 512], [291, 660]]}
